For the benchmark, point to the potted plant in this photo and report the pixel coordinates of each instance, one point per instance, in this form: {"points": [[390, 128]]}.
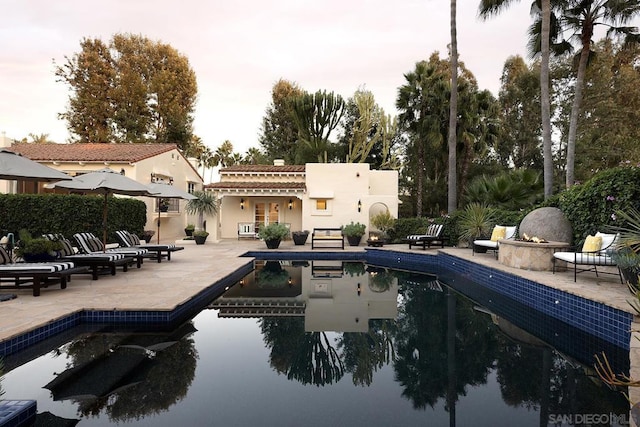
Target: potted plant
{"points": [[629, 264], [188, 230], [300, 237], [273, 234], [354, 232], [37, 249], [353, 268], [205, 203], [475, 221], [164, 205], [147, 235], [200, 236]]}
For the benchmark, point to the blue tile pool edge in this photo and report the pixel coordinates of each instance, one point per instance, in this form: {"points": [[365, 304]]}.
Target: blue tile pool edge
{"points": [[181, 313], [598, 319]]}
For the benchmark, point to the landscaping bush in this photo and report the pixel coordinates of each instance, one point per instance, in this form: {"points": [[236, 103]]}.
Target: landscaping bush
{"points": [[591, 206], [68, 214]]}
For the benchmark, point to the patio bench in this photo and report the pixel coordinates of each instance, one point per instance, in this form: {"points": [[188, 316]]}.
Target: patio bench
{"points": [[327, 235]]}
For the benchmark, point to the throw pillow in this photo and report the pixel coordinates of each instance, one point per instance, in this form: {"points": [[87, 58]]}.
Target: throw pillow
{"points": [[4, 256], [135, 240], [95, 244], [498, 233], [67, 247], [592, 244]]}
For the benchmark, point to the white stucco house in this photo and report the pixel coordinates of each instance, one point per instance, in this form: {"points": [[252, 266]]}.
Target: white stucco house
{"points": [[326, 195], [144, 163]]}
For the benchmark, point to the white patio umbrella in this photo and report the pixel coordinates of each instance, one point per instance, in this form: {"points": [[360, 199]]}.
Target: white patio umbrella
{"points": [[15, 166], [166, 191], [105, 181]]}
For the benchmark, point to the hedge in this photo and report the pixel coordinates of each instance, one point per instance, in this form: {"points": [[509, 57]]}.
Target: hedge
{"points": [[68, 214]]}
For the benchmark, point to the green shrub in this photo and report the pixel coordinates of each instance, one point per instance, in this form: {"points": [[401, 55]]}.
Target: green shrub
{"points": [[591, 207], [273, 232], [68, 214], [354, 229]]}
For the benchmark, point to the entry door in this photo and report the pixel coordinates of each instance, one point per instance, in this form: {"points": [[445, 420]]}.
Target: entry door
{"points": [[266, 213]]}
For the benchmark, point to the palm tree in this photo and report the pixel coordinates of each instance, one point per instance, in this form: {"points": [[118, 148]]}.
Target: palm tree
{"points": [[582, 19], [452, 199], [205, 204], [493, 7]]}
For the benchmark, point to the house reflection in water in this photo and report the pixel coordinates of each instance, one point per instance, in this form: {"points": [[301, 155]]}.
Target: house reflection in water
{"points": [[340, 296]]}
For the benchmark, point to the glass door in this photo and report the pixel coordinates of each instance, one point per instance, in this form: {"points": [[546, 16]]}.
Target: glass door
{"points": [[266, 213]]}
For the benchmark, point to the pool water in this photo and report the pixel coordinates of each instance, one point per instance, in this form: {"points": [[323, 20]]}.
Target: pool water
{"points": [[322, 343]]}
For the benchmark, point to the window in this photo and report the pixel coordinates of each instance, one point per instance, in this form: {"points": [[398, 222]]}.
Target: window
{"points": [[191, 187], [321, 204]]}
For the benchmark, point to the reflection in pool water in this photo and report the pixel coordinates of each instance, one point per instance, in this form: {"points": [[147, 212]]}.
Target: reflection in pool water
{"points": [[320, 343]]}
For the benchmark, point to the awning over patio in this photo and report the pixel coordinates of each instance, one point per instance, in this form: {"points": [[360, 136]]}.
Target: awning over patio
{"points": [[235, 188]]}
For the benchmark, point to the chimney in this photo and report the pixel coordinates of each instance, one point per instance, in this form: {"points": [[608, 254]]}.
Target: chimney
{"points": [[278, 162]]}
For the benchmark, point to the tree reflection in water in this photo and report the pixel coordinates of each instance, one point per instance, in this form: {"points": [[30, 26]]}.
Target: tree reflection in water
{"points": [[152, 371], [307, 357], [435, 360]]}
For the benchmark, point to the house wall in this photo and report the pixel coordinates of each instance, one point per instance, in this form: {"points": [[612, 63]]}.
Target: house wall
{"points": [[343, 185], [170, 164], [231, 214]]}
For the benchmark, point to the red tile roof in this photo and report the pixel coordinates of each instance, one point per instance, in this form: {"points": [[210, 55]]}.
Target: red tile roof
{"points": [[263, 168], [233, 185], [107, 152]]}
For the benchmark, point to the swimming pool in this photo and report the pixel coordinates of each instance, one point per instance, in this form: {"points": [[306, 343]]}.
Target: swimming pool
{"points": [[330, 342]]}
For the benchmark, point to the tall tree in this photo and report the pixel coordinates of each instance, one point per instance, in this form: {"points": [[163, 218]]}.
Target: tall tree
{"points": [[133, 90], [452, 190], [581, 19], [369, 133], [519, 144], [316, 116], [90, 76], [494, 7], [279, 134], [423, 102]]}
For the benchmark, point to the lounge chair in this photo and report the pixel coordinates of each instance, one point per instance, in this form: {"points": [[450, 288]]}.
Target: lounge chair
{"points": [[498, 233], [35, 275], [595, 252], [433, 235], [129, 240], [96, 262], [88, 243]]}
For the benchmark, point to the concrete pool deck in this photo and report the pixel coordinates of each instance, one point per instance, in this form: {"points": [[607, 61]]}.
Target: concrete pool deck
{"points": [[163, 286]]}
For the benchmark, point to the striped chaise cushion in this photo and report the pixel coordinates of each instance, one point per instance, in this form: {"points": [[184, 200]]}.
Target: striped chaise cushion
{"points": [[36, 267]]}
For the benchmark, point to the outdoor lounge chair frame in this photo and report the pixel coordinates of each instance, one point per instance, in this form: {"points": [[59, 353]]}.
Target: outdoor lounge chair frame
{"points": [[35, 275], [158, 251], [590, 261], [433, 235]]}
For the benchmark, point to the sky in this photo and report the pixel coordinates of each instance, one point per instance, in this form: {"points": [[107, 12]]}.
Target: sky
{"points": [[239, 49]]}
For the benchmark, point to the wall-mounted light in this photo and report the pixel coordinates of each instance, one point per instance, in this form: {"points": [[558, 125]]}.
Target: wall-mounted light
{"points": [[357, 174], [241, 203], [290, 282], [122, 172], [359, 205], [153, 177], [290, 204], [359, 289]]}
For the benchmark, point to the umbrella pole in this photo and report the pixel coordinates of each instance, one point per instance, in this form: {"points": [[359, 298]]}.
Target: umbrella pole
{"points": [[104, 224], [158, 224]]}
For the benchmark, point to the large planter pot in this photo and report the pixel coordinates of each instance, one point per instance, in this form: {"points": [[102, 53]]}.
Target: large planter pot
{"points": [[299, 238], [354, 240], [200, 239], [272, 243]]}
